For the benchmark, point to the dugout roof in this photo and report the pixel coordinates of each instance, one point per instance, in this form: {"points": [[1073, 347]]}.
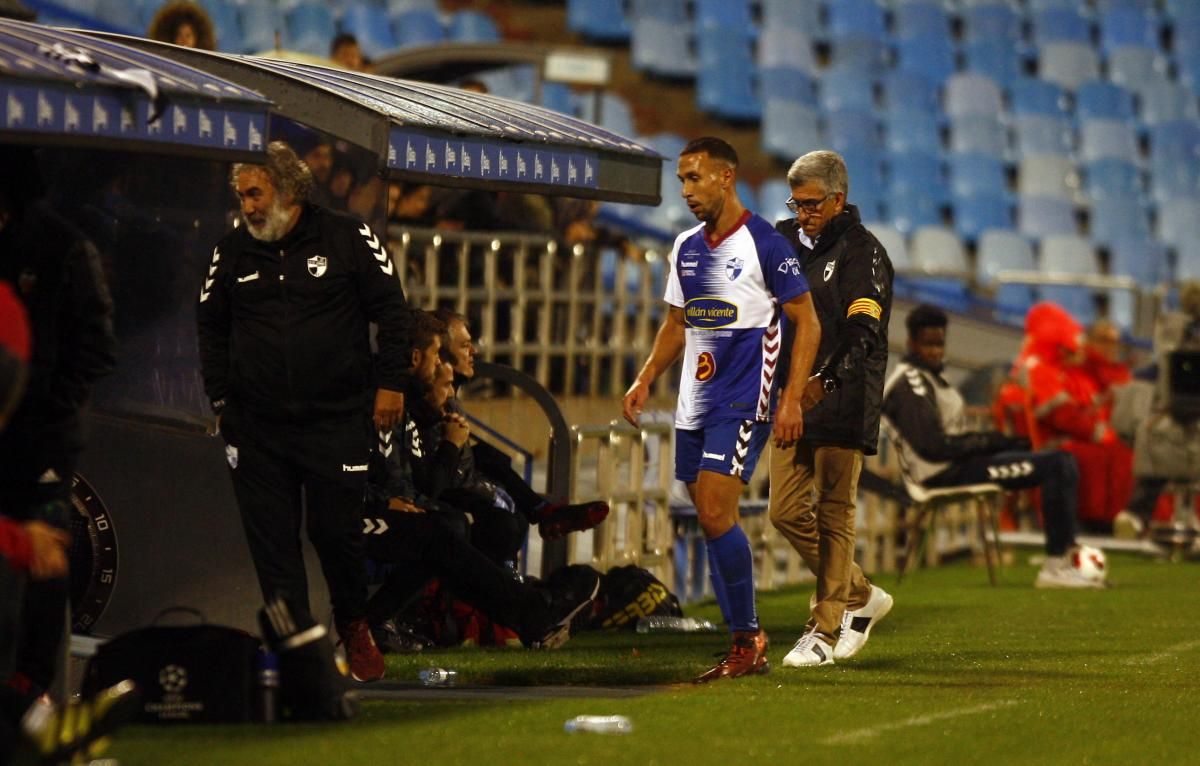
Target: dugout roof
{"points": [[68, 89], [439, 134]]}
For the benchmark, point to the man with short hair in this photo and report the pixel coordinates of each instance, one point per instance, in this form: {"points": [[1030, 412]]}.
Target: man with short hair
{"points": [[346, 52], [731, 279], [925, 414], [851, 280], [286, 357]]}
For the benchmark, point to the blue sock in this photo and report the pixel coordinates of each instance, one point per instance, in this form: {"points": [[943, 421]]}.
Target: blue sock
{"points": [[718, 584], [735, 566]]}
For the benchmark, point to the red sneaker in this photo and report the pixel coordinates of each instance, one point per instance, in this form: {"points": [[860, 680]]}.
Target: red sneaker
{"points": [[747, 657], [366, 663], [558, 520]]}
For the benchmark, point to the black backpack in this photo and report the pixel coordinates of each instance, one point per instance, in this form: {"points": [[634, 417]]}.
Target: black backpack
{"points": [[629, 593]]}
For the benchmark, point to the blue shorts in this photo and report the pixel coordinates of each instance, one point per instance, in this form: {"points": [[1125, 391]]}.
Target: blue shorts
{"points": [[728, 447]]}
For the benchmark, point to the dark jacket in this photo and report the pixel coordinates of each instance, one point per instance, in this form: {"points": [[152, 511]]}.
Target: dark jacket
{"points": [[283, 325], [56, 271], [850, 277]]}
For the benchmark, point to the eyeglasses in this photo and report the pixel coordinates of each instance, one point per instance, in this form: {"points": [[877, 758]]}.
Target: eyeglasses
{"points": [[807, 205]]}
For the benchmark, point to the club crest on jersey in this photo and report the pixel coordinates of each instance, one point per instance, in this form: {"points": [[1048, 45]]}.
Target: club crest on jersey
{"points": [[706, 366], [316, 265], [733, 268], [829, 270]]}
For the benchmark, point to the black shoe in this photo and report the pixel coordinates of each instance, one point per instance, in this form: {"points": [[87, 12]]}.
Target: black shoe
{"points": [[396, 639], [572, 590], [310, 686]]}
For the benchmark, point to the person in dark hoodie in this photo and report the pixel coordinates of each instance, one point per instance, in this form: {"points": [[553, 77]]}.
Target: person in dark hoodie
{"points": [[851, 280]]}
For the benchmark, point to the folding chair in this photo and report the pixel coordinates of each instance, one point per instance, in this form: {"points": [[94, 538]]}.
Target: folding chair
{"points": [[926, 500]]}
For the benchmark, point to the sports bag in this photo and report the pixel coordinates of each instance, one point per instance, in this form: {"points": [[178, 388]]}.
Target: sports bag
{"points": [[186, 673], [629, 593]]}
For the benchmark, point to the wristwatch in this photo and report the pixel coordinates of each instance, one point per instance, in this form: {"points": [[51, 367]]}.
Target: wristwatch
{"points": [[829, 382]]}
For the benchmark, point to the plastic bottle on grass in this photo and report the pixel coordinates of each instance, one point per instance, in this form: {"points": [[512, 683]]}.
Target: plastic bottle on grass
{"points": [[438, 677], [268, 686], [661, 624], [599, 724]]}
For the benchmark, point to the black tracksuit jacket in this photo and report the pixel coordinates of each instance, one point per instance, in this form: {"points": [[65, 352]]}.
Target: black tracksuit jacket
{"points": [[850, 278]]}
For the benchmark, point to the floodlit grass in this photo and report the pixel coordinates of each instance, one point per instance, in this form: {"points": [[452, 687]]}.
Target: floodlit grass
{"points": [[958, 673]]}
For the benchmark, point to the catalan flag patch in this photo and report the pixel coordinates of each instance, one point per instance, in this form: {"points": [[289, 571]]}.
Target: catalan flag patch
{"points": [[864, 306]]}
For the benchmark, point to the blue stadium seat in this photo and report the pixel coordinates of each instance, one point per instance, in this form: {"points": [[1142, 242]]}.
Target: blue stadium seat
{"points": [[993, 21], [979, 133], [473, 27], [370, 26], [725, 87], [1100, 99], [1182, 10], [1069, 254], [1113, 178], [926, 18], [729, 15], [790, 129], [786, 48], [863, 54], [894, 242], [1046, 5], [310, 28], [1047, 175], [1030, 95], [1042, 216], [912, 131], [1179, 221], [786, 84], [1187, 260], [1145, 260], [1068, 65], [973, 174], [1132, 66], [916, 172], [603, 21], [1060, 25], [394, 7], [970, 93], [849, 130], [1174, 160], [936, 250], [804, 15], [1005, 250], [662, 43], [1142, 5], [1040, 134], [1099, 139], [773, 195], [912, 210], [842, 88], [113, 12], [260, 22], [227, 24], [931, 56], [976, 213], [856, 18], [997, 58], [867, 191], [557, 96], [1112, 220], [1163, 101], [747, 195], [1128, 26], [909, 91]]}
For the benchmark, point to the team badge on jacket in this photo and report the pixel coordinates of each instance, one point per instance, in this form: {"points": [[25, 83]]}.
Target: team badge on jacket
{"points": [[829, 270], [316, 265], [733, 268]]}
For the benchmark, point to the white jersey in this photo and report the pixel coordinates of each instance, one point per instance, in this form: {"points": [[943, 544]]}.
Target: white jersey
{"points": [[730, 291]]}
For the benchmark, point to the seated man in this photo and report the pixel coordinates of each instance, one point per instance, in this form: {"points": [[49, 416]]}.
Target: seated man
{"points": [[490, 464], [425, 538], [925, 415]]}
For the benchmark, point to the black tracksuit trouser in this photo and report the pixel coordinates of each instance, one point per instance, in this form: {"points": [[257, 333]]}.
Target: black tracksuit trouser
{"points": [[315, 472]]}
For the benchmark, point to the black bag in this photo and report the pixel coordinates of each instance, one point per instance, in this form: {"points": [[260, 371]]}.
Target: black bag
{"points": [[629, 593], [186, 673]]}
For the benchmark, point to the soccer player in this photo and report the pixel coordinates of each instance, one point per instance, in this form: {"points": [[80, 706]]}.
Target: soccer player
{"points": [[731, 278]]}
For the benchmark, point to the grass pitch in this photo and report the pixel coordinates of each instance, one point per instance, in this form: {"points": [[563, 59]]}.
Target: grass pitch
{"points": [[959, 672]]}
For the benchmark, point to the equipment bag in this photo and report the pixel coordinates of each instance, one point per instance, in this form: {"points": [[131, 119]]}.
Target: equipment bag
{"points": [[187, 673], [629, 593]]}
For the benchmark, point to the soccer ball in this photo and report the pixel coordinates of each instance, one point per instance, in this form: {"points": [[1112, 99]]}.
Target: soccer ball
{"points": [[1090, 563]]}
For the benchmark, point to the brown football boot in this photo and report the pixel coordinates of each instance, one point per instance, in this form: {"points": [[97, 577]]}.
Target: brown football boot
{"points": [[747, 657]]}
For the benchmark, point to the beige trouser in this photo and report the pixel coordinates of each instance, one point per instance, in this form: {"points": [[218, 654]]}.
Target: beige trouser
{"points": [[823, 537]]}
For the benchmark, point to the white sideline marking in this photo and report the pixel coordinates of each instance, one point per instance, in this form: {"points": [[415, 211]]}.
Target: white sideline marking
{"points": [[869, 732], [1165, 654]]}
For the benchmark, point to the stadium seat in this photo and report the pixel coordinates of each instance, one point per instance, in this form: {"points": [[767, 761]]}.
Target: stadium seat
{"points": [[993, 21], [803, 15], [227, 25], [1128, 26], [932, 56], [1005, 250], [662, 46], [310, 28], [1099, 139], [856, 18], [1100, 99], [728, 15], [842, 88], [862, 54], [916, 173], [849, 130], [772, 200], [395, 7], [1111, 220], [976, 213], [786, 48], [747, 195], [1029, 95], [473, 27], [726, 89], [1060, 25], [1170, 179], [973, 174], [1112, 178], [979, 133], [557, 96], [418, 27], [997, 58], [1040, 134], [1068, 65], [938, 251], [1132, 66], [1068, 254], [894, 243], [1182, 10], [1042, 216], [1164, 101], [790, 129], [1145, 260], [925, 18], [1187, 260], [113, 12], [370, 26], [1046, 5], [867, 189], [1179, 221], [603, 21], [909, 91], [912, 131], [969, 93], [786, 84], [1047, 175], [260, 22]]}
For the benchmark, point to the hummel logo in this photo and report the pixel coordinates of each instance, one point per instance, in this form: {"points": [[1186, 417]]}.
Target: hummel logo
{"points": [[354, 468], [248, 278], [711, 456]]}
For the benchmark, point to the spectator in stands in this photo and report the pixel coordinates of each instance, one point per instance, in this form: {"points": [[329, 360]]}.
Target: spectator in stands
{"points": [[473, 85], [926, 416], [478, 457], [730, 279], [1052, 401], [185, 23], [345, 52], [851, 279]]}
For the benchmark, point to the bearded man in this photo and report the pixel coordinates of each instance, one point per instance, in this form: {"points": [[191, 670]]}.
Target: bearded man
{"points": [[285, 353]]}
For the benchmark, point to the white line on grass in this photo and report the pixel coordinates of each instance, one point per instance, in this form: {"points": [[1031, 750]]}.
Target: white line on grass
{"points": [[1165, 654], [856, 735]]}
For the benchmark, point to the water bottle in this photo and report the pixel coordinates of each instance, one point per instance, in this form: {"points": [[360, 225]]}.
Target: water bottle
{"points": [[660, 624], [268, 686], [438, 677], [599, 724]]}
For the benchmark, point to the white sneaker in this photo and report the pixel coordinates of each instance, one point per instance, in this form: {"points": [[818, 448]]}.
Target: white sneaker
{"points": [[857, 623], [809, 651], [1127, 526], [1057, 572]]}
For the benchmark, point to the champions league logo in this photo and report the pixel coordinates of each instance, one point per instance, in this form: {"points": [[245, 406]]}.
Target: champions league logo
{"points": [[733, 268]]}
